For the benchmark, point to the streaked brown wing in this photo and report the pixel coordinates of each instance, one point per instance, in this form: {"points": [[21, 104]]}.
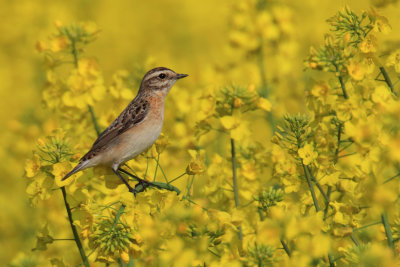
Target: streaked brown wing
{"points": [[133, 114]]}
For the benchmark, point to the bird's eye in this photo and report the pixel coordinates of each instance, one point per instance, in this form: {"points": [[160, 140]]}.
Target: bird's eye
{"points": [[162, 76]]}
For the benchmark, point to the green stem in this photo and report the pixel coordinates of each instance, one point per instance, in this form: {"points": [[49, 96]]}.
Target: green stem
{"points": [[74, 231], [339, 134], [343, 86], [155, 172], [64, 193], [234, 173], [74, 51], [161, 168], [131, 263], [176, 178], [391, 178], [139, 188], [387, 79], [311, 187], [353, 237], [264, 84], [388, 231], [331, 260], [261, 67], [319, 186], [328, 194], [366, 226], [118, 215], [284, 245], [94, 120], [189, 185], [286, 248], [235, 184], [147, 167]]}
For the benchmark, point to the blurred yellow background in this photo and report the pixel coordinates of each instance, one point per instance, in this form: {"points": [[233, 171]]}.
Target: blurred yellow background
{"points": [[186, 35]]}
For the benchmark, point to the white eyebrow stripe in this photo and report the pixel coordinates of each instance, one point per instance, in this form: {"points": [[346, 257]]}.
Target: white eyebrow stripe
{"points": [[155, 74]]}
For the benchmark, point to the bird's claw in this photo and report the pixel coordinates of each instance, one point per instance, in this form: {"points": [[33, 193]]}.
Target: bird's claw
{"points": [[141, 186]]}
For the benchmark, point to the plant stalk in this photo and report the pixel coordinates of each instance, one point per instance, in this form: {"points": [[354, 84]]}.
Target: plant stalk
{"points": [[311, 187], [388, 231], [387, 79], [339, 135], [264, 84], [331, 260], [94, 119], [343, 86], [235, 184], [118, 215], [74, 231], [286, 248]]}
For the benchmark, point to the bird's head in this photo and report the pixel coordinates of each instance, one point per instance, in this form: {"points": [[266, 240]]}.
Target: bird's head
{"points": [[160, 80]]}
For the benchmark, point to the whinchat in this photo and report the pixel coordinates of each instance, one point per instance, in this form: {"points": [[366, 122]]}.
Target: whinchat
{"points": [[135, 129]]}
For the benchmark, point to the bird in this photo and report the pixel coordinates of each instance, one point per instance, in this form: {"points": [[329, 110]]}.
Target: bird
{"points": [[135, 129]]}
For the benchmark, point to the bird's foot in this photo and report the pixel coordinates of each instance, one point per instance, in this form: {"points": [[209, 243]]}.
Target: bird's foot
{"points": [[142, 185]]}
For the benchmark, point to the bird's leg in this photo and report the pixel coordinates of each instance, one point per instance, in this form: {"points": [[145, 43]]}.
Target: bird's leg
{"points": [[142, 182], [132, 190], [130, 174]]}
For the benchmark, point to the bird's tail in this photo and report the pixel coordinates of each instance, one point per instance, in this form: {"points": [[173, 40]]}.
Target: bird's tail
{"points": [[81, 166]]}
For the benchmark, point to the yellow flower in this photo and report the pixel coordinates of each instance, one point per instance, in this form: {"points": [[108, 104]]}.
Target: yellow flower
{"points": [[394, 60], [384, 196], [43, 239], [41, 46], [32, 166], [264, 104], [161, 143], [369, 44], [381, 95], [241, 132], [222, 218], [321, 89], [59, 44], [316, 246], [394, 149], [40, 188], [125, 257], [356, 70], [307, 154], [381, 23], [60, 169], [196, 165], [237, 102], [229, 122], [330, 179], [238, 216], [362, 131], [248, 171], [85, 85]]}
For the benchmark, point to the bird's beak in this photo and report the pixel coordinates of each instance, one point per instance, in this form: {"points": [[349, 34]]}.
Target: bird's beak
{"points": [[180, 76]]}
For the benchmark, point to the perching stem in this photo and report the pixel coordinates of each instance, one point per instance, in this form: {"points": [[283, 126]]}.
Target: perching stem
{"points": [[74, 231], [85, 260]]}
